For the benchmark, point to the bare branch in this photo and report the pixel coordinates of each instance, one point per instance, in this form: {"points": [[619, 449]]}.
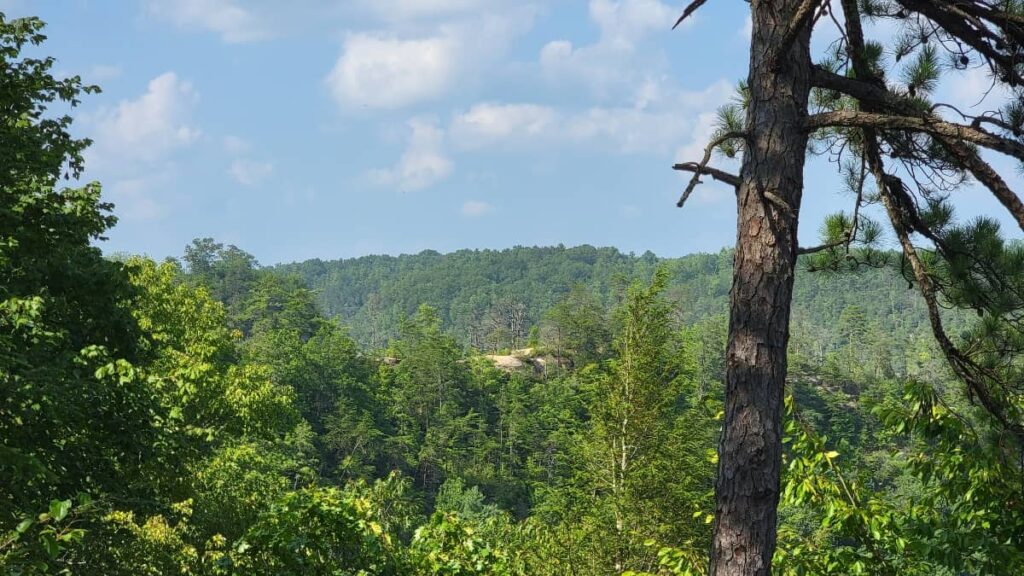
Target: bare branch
{"points": [[934, 126], [720, 175], [690, 9], [986, 175], [703, 164]]}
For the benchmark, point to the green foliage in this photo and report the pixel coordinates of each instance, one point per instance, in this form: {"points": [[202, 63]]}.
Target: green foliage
{"points": [[320, 531], [452, 546], [211, 419]]}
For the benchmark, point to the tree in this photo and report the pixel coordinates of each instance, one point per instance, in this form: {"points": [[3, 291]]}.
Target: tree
{"points": [[896, 151], [73, 414], [428, 398], [576, 327], [508, 323]]}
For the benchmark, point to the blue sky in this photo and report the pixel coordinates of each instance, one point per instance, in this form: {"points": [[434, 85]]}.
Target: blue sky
{"points": [[327, 128]]}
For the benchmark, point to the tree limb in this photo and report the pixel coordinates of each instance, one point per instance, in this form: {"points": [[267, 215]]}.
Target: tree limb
{"points": [[720, 175], [703, 164], [934, 126], [987, 176], [690, 9], [878, 97], [851, 233], [863, 90]]}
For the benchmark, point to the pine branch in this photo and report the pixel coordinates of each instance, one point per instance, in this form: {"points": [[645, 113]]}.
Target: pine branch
{"points": [[987, 176], [891, 198], [950, 16], [934, 126]]}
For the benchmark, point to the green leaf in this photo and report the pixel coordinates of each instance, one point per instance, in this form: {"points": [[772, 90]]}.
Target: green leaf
{"points": [[59, 509], [49, 544]]}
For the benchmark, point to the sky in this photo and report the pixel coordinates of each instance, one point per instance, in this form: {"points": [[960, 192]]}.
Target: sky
{"points": [[338, 128]]}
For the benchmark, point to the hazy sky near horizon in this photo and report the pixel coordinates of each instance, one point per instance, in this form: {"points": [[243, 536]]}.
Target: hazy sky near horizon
{"points": [[327, 128]]}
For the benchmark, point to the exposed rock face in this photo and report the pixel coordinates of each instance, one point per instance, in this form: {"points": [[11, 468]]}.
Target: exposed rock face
{"points": [[527, 359]]}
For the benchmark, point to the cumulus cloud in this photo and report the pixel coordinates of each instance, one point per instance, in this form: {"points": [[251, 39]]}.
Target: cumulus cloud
{"points": [[250, 172], [382, 72], [136, 143], [475, 208], [612, 64], [148, 127], [102, 73], [747, 30], [624, 22], [234, 21], [389, 70], [657, 122], [487, 123], [701, 133], [423, 163]]}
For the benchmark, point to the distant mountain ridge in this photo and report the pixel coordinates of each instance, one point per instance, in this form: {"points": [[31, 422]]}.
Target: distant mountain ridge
{"points": [[372, 293]]}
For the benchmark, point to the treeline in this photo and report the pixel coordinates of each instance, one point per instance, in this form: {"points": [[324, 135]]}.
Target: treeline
{"points": [[497, 300]]}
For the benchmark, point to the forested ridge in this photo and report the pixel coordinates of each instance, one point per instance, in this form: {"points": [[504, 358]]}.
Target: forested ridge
{"points": [[531, 411], [475, 291]]}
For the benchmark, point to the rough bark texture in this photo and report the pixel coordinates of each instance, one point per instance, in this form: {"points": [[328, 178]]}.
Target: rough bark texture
{"points": [[768, 202]]}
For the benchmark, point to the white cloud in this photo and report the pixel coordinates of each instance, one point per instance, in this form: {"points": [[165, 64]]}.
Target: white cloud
{"points": [[602, 68], [382, 72], [491, 122], [657, 122], [389, 70], [700, 135], [475, 208], [625, 22], [228, 18], [423, 163], [250, 172], [147, 128], [136, 142], [613, 65], [710, 192]]}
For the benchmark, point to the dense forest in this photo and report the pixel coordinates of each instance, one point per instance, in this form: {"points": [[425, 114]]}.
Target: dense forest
{"points": [[500, 300], [532, 411], [253, 434]]}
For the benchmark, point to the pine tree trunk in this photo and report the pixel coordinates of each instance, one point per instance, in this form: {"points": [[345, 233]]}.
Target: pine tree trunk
{"points": [[750, 452]]}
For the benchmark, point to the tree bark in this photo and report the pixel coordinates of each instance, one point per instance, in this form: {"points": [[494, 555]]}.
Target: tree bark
{"points": [[768, 202]]}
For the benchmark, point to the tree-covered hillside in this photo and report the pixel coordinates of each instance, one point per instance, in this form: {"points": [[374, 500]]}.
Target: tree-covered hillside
{"points": [[475, 292]]}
